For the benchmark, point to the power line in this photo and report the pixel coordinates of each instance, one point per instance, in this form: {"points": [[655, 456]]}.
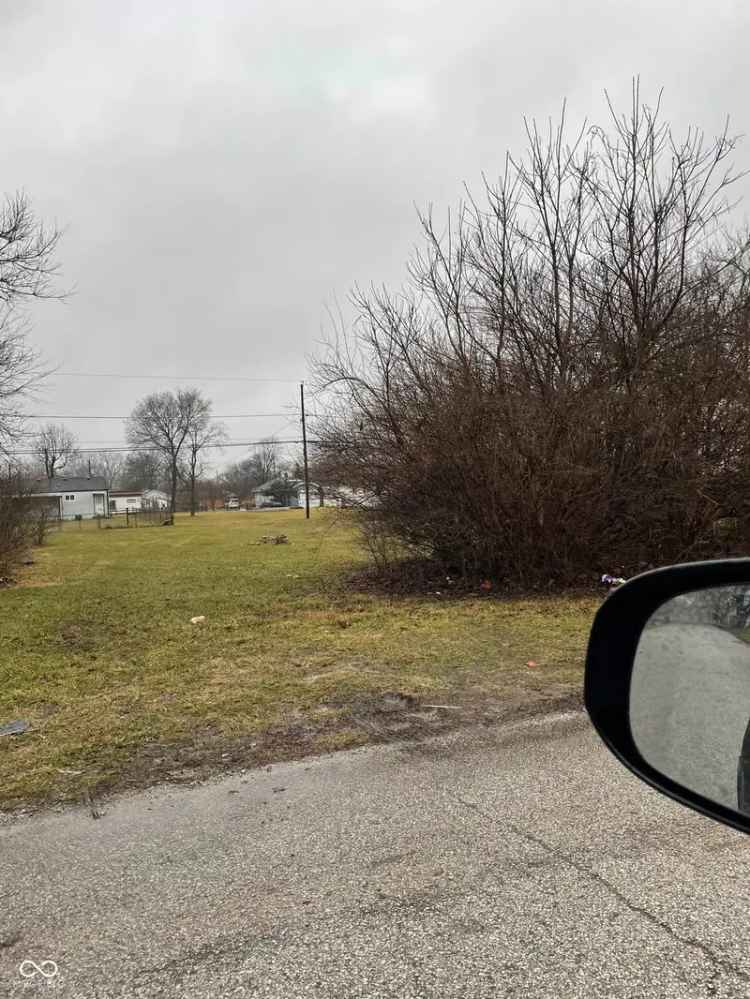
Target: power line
{"points": [[138, 448], [103, 444], [52, 416]]}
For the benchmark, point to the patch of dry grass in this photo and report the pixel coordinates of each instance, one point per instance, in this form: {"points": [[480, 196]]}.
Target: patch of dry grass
{"points": [[97, 650]]}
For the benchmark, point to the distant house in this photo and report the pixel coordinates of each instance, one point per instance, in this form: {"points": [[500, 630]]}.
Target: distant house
{"points": [[281, 491], [155, 499], [288, 492], [71, 498], [125, 501], [318, 496], [135, 500], [344, 496]]}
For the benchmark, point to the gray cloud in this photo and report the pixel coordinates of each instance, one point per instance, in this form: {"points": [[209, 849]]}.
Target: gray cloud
{"points": [[225, 170]]}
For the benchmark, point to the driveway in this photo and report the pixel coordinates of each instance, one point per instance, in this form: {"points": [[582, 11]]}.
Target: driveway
{"points": [[514, 861]]}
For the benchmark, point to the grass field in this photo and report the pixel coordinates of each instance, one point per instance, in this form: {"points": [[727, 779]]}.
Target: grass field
{"points": [[98, 654]]}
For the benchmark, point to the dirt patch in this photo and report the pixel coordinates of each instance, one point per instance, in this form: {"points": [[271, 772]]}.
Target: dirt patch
{"points": [[387, 718], [423, 577]]}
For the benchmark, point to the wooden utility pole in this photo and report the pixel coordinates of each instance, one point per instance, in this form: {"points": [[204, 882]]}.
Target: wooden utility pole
{"points": [[304, 450]]}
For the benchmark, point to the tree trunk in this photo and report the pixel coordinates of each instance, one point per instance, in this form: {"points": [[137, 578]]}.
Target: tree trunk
{"points": [[192, 493], [173, 499]]}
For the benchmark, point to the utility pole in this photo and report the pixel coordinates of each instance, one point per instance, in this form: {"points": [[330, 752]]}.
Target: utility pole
{"points": [[304, 450]]}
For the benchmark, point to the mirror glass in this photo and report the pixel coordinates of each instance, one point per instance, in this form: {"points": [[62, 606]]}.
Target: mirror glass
{"points": [[690, 693]]}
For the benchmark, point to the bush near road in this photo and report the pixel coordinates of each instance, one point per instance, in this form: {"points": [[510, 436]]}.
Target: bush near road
{"points": [[99, 655]]}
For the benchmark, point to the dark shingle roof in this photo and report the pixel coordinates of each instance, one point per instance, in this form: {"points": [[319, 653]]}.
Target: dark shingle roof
{"points": [[76, 484]]}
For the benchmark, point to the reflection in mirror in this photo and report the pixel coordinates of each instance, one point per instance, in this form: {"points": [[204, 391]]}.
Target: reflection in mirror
{"points": [[690, 693]]}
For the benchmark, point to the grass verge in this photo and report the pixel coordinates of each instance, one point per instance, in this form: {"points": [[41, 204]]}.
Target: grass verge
{"points": [[99, 656]]}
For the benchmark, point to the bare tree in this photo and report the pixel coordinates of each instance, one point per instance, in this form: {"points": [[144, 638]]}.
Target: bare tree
{"points": [[143, 470], [26, 252], [162, 422], [240, 478], [26, 271], [266, 459], [55, 446], [259, 467], [107, 464], [210, 491], [202, 433], [563, 385]]}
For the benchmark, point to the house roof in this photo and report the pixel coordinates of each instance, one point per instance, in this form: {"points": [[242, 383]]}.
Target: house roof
{"points": [[76, 484], [125, 492], [293, 483], [265, 486]]}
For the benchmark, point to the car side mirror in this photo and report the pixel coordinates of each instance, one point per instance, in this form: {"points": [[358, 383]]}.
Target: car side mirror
{"points": [[668, 683]]}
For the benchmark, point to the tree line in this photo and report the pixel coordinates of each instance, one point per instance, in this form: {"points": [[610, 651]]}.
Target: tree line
{"points": [[171, 434]]}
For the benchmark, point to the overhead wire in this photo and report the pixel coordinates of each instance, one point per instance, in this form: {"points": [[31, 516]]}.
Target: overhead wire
{"points": [[53, 416], [141, 448], [117, 448]]}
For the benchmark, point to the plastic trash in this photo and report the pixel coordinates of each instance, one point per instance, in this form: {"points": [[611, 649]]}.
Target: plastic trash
{"points": [[17, 727]]}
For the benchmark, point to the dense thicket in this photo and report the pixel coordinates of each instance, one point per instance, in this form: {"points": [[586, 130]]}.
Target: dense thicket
{"points": [[563, 384]]}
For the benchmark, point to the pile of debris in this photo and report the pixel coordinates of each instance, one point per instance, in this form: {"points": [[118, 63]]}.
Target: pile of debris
{"points": [[273, 539]]}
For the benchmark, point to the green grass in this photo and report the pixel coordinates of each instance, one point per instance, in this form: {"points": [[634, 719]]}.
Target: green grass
{"points": [[97, 650]]}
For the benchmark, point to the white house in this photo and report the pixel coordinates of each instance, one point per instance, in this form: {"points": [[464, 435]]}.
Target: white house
{"points": [[295, 493], [134, 500], [125, 501], [155, 499], [71, 498], [316, 498]]}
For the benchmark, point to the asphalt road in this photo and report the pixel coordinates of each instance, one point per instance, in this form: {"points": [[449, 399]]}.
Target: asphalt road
{"points": [[520, 861]]}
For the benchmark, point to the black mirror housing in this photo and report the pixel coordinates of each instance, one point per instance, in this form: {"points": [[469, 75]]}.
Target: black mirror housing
{"points": [[613, 644]]}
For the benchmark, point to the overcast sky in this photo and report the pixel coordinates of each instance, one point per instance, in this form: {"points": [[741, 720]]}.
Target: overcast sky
{"points": [[225, 170]]}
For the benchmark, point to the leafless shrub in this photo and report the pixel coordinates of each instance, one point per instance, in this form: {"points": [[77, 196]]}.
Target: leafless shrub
{"points": [[563, 385], [379, 541], [40, 525], [15, 525]]}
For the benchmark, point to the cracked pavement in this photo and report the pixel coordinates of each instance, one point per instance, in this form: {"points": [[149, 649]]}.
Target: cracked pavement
{"points": [[519, 860]]}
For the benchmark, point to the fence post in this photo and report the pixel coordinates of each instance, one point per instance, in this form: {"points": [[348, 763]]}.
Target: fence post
{"points": [[127, 517]]}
